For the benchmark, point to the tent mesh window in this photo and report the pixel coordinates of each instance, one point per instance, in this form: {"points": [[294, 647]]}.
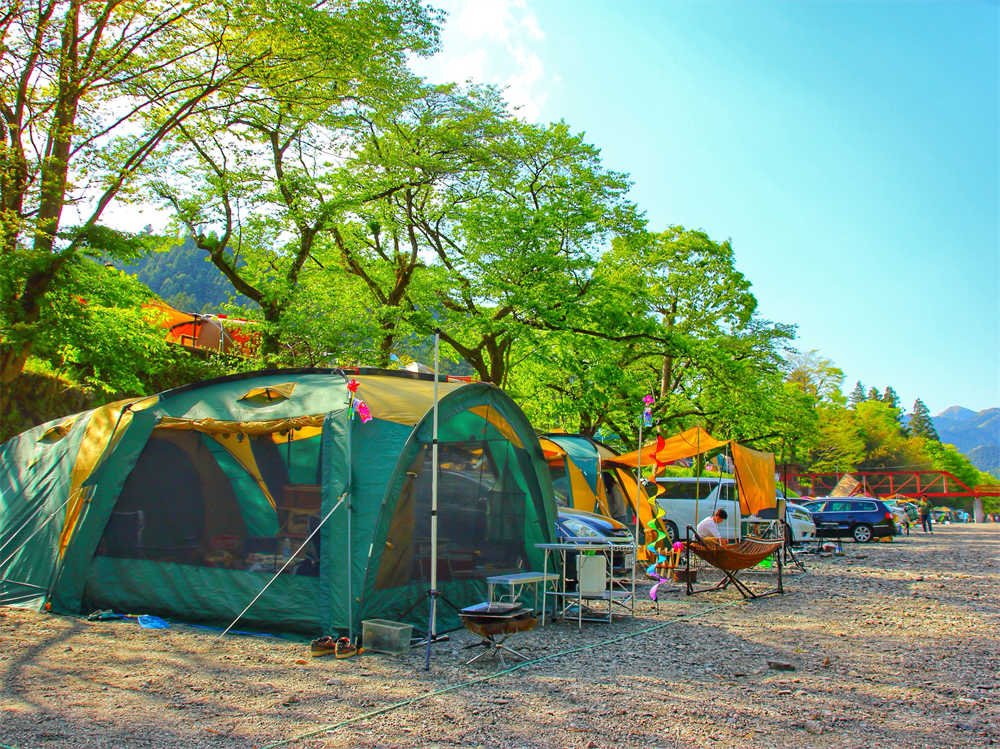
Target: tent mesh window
{"points": [[481, 515], [560, 483], [228, 501]]}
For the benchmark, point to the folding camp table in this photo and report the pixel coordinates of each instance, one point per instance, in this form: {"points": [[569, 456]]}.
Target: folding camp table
{"points": [[517, 582], [566, 599]]}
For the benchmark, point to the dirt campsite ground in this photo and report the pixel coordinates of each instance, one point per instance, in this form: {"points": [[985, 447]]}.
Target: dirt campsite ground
{"points": [[895, 644]]}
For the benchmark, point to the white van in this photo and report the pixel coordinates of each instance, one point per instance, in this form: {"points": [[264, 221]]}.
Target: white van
{"points": [[687, 501]]}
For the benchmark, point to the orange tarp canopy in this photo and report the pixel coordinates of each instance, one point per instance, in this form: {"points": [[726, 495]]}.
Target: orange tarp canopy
{"points": [[171, 316], [684, 445], [755, 476]]}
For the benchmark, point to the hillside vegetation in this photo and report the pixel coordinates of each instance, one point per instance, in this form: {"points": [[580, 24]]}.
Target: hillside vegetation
{"points": [[185, 278]]}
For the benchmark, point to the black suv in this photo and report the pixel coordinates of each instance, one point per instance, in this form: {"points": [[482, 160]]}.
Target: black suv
{"points": [[861, 518]]}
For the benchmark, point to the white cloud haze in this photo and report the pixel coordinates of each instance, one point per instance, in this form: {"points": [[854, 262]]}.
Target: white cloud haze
{"points": [[491, 41]]}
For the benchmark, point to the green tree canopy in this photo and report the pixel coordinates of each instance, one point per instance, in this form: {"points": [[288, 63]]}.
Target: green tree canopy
{"points": [[857, 395], [890, 398], [666, 315]]}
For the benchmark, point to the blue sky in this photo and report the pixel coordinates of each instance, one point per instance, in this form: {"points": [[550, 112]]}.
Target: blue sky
{"points": [[849, 150]]}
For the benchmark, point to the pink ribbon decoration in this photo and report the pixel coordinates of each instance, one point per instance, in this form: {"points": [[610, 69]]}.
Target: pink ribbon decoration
{"points": [[362, 408]]}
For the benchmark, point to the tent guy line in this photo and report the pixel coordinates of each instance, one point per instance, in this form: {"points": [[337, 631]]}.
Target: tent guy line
{"points": [[288, 561], [33, 534], [489, 677]]}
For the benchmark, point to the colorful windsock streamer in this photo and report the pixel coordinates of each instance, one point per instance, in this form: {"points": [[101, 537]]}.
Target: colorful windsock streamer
{"points": [[657, 514]]}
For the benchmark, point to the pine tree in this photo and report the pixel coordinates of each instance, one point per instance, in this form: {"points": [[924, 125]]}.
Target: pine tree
{"points": [[857, 396], [921, 424], [873, 394], [889, 397]]}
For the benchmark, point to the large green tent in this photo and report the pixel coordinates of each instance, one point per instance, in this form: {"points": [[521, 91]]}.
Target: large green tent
{"points": [[186, 504]]}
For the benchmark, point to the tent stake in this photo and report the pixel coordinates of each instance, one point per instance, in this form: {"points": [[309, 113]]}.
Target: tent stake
{"points": [[276, 574]]}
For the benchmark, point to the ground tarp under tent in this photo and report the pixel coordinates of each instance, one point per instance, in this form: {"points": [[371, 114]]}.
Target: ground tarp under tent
{"points": [[185, 504]]}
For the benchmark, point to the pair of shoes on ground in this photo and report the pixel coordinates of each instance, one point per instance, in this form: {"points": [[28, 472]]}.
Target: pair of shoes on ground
{"points": [[341, 648]]}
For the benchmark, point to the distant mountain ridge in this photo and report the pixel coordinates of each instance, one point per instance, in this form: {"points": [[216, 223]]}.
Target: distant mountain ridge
{"points": [[956, 413], [977, 435]]}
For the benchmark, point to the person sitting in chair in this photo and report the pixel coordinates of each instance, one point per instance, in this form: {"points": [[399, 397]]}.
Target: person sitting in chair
{"points": [[708, 528]]}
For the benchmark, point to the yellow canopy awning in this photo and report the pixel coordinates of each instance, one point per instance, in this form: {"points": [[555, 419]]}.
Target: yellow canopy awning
{"points": [[755, 477], [169, 316], [687, 444]]}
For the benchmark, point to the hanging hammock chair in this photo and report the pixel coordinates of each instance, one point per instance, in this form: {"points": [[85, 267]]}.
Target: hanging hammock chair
{"points": [[732, 560]]}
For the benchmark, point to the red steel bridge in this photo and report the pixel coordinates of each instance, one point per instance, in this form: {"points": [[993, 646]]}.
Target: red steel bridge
{"points": [[889, 483]]}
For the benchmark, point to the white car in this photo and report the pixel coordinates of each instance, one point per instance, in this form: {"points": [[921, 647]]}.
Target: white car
{"points": [[687, 500], [800, 520]]}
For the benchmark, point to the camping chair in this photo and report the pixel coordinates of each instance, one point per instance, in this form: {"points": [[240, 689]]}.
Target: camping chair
{"points": [[775, 529], [731, 560]]}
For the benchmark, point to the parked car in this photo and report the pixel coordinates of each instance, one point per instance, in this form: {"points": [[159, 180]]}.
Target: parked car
{"points": [[580, 526], [860, 518], [688, 500]]}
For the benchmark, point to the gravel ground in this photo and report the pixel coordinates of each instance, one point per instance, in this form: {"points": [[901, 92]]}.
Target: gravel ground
{"points": [[895, 644]]}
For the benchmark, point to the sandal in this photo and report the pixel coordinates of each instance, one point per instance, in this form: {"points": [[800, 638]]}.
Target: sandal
{"points": [[323, 646], [344, 648]]}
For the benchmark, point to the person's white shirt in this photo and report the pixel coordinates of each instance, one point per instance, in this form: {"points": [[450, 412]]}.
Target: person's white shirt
{"points": [[708, 528]]}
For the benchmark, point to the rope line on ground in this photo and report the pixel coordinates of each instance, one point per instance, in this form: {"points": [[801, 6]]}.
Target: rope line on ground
{"points": [[488, 677]]}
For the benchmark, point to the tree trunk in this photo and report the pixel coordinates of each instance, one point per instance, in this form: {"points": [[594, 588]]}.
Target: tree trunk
{"points": [[270, 344], [385, 348], [27, 308]]}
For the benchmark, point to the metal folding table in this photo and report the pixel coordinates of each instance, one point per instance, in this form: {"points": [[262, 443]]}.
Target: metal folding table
{"points": [[518, 581], [617, 597]]}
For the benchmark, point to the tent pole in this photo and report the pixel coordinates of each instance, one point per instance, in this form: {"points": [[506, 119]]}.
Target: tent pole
{"points": [[697, 486], [432, 624], [638, 491], [350, 508]]}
